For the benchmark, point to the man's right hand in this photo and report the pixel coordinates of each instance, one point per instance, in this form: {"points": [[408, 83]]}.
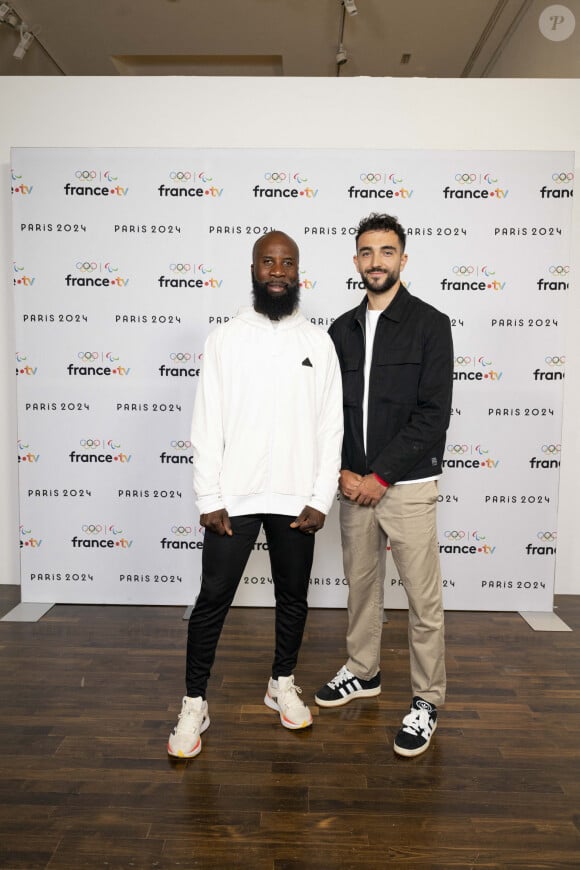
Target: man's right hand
{"points": [[218, 522], [349, 482]]}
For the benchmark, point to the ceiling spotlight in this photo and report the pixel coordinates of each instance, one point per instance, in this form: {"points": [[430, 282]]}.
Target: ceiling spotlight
{"points": [[26, 38], [341, 56], [350, 7]]}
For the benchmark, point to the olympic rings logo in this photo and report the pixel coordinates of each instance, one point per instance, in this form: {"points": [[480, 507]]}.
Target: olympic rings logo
{"points": [[463, 270], [86, 266], [547, 536], [180, 267], [462, 360], [275, 176], [555, 360], [551, 448], [181, 445], [457, 448], [180, 176], [88, 354], [86, 174], [465, 177], [92, 529], [90, 443], [455, 535], [562, 177], [371, 177], [559, 270], [180, 357], [181, 530]]}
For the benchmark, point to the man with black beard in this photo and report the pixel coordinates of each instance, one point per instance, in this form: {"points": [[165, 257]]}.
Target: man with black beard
{"points": [[396, 357], [266, 437]]}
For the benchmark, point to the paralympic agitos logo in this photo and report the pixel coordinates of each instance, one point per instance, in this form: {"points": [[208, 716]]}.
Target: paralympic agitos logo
{"points": [[380, 185]]}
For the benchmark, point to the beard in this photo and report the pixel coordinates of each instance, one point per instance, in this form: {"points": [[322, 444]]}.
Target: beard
{"points": [[278, 306], [389, 281]]}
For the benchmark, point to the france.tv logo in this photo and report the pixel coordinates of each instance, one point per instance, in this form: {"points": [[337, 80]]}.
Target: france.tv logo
{"points": [[20, 279], [475, 368], [285, 184], [27, 539], [561, 186], [94, 362], [95, 182], [475, 185], [23, 366], [305, 282], [467, 276], [96, 274], [25, 454], [190, 183], [19, 186], [380, 185], [101, 536], [99, 450]]}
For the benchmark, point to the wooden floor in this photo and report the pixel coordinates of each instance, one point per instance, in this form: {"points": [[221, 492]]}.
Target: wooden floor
{"points": [[90, 693]]}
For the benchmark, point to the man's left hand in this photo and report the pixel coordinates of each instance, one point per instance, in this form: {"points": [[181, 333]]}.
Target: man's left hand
{"points": [[369, 491], [309, 521]]}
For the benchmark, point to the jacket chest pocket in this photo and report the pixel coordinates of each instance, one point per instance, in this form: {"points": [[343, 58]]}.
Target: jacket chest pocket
{"points": [[396, 374], [352, 378]]}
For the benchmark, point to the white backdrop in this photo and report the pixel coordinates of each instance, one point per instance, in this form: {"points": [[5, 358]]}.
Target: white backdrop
{"points": [[127, 284]]}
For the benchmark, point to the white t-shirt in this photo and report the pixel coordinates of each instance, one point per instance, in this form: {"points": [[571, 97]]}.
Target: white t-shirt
{"points": [[371, 328]]}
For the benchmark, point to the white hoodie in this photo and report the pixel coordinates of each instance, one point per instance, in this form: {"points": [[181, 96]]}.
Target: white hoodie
{"points": [[267, 420]]}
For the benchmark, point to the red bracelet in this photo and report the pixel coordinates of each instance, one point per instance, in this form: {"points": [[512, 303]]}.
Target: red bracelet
{"points": [[380, 480]]}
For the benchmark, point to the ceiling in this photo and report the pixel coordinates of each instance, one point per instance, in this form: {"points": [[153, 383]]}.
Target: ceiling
{"points": [[428, 38]]}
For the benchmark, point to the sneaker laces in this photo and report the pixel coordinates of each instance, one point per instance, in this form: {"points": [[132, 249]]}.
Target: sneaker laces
{"points": [[416, 722], [342, 677], [189, 719], [290, 697]]}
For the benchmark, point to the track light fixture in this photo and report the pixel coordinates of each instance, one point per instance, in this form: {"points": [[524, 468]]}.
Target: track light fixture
{"points": [[26, 39], [9, 16], [350, 7]]}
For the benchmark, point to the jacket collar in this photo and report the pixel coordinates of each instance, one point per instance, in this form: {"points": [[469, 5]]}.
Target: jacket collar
{"points": [[395, 310]]}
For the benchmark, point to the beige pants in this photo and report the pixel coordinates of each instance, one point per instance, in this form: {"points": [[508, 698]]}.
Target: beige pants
{"points": [[406, 517]]}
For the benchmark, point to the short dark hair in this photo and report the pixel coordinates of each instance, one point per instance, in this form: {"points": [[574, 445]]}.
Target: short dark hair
{"points": [[376, 221]]}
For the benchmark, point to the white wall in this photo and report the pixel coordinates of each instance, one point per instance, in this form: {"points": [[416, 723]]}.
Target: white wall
{"points": [[270, 112]]}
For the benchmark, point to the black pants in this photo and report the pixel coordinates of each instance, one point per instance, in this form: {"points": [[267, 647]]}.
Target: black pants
{"points": [[223, 562]]}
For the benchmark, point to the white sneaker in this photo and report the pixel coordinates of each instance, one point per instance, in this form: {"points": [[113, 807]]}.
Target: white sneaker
{"points": [[282, 695], [184, 740]]}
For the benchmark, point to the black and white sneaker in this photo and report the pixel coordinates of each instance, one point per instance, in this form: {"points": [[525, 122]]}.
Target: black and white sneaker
{"points": [[346, 687], [417, 729]]}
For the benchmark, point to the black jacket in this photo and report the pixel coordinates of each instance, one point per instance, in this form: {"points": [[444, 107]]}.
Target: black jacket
{"points": [[409, 391]]}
